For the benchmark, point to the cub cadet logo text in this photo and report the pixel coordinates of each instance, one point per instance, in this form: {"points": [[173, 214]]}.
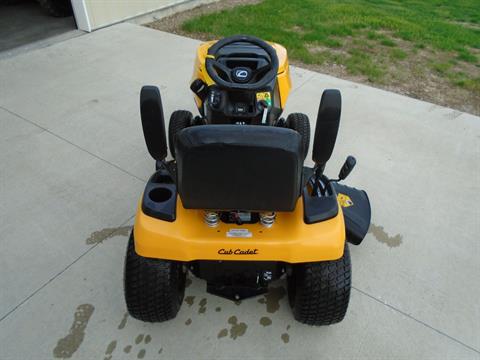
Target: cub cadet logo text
{"points": [[238, 252]]}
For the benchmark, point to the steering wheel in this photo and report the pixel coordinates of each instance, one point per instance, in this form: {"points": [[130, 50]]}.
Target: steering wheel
{"points": [[241, 77]]}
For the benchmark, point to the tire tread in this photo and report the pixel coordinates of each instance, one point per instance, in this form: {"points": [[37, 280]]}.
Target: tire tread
{"points": [[322, 291], [152, 286], [179, 120], [301, 124]]}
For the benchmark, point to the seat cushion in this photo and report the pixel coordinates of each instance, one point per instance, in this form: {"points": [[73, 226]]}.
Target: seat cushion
{"points": [[239, 167]]}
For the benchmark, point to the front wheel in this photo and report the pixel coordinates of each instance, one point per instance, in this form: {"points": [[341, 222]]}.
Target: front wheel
{"points": [[301, 124], [154, 288], [179, 120], [319, 292]]}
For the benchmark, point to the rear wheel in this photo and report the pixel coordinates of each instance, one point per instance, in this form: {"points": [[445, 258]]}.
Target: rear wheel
{"points": [[301, 124], [179, 120], [154, 289], [319, 292]]}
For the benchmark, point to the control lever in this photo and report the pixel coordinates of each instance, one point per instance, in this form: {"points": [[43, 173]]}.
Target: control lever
{"points": [[346, 169], [263, 104], [199, 88], [215, 99]]}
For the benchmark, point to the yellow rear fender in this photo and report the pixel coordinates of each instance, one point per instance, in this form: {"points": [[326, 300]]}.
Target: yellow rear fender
{"points": [[189, 238]]}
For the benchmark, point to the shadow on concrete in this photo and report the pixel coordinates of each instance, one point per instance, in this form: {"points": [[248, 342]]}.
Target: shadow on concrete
{"points": [[24, 21]]}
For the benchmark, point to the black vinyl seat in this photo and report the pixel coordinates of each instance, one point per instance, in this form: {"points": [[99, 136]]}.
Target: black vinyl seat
{"points": [[235, 167]]}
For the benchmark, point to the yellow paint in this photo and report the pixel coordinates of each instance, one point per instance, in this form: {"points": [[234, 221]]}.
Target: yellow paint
{"points": [[344, 200], [289, 239], [284, 82]]}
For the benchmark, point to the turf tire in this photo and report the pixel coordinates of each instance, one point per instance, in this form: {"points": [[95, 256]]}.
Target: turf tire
{"points": [[301, 124], [154, 289], [319, 292], [179, 120]]}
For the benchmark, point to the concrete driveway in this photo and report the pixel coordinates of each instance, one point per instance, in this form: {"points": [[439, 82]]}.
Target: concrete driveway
{"points": [[74, 163]]}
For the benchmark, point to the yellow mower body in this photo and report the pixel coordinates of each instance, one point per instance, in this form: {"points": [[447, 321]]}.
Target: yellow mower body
{"points": [[235, 205], [290, 240], [284, 83]]}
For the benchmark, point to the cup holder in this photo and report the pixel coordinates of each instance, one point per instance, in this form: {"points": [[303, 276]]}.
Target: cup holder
{"points": [[160, 194], [160, 197]]}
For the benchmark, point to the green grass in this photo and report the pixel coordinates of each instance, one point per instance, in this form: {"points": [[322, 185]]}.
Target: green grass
{"points": [[388, 42], [373, 34], [397, 54]]}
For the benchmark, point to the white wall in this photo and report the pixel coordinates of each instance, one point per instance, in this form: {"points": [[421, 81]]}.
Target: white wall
{"points": [[94, 14]]}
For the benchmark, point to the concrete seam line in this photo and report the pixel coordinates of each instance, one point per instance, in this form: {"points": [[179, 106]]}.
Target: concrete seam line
{"points": [[416, 320], [59, 273], [73, 144]]}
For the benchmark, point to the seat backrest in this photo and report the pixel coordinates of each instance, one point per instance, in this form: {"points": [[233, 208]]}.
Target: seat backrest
{"points": [[239, 167]]}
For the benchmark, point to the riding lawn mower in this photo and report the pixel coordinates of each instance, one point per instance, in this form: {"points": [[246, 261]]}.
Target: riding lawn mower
{"points": [[236, 206]]}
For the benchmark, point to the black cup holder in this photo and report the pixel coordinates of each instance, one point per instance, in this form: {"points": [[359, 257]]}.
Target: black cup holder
{"points": [[160, 194], [160, 197]]}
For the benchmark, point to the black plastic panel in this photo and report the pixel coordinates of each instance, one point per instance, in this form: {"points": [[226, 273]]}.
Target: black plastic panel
{"points": [[357, 216], [236, 280], [316, 209]]}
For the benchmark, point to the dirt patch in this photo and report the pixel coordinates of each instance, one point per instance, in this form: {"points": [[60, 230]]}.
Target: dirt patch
{"points": [[423, 74]]}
